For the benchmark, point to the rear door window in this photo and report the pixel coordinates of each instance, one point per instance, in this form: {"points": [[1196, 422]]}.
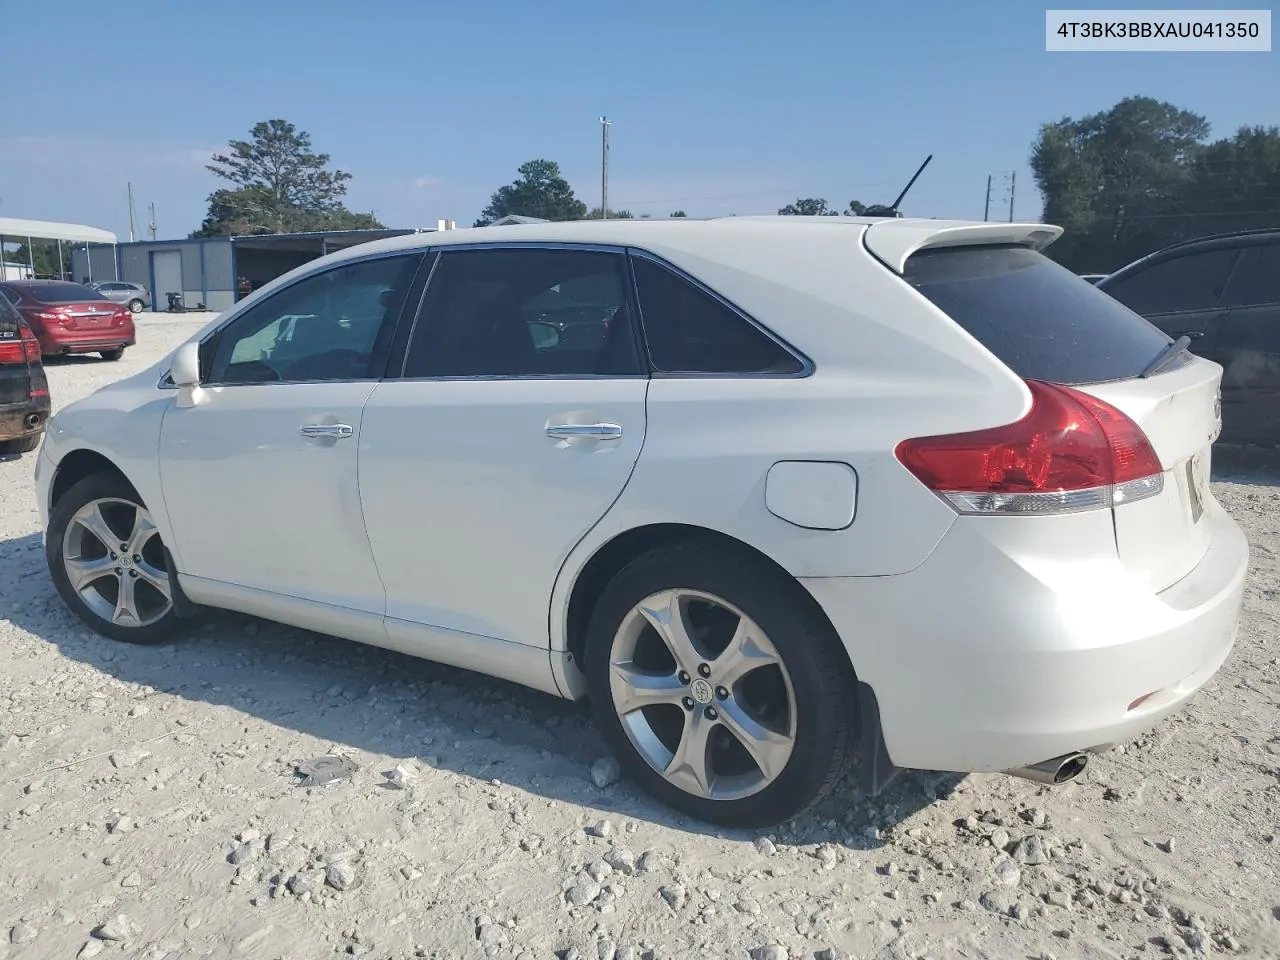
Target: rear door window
{"points": [[1039, 319], [1194, 281], [1265, 286]]}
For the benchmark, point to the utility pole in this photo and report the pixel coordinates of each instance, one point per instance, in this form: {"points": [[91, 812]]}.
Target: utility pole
{"points": [[152, 226], [1013, 184], [986, 210], [605, 122], [131, 216]]}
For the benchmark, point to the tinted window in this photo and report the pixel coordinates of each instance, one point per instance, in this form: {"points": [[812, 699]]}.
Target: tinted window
{"points": [[10, 295], [1040, 319], [63, 293], [326, 327], [1265, 287], [1191, 282], [511, 313], [690, 331]]}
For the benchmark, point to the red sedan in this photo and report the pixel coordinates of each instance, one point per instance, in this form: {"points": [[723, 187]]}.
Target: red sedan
{"points": [[71, 318]]}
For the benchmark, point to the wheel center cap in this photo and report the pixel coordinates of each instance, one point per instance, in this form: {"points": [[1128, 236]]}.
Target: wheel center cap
{"points": [[126, 560], [701, 690]]}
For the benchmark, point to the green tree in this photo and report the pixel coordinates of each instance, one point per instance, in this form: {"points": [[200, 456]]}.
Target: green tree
{"points": [[808, 207], [1112, 179], [540, 191], [594, 214], [676, 215], [43, 252], [279, 185]]}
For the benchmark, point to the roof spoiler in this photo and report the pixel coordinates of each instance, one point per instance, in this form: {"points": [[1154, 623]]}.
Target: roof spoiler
{"points": [[893, 242]]}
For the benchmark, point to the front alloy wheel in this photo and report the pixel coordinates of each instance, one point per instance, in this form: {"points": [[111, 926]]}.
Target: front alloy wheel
{"points": [[108, 562]]}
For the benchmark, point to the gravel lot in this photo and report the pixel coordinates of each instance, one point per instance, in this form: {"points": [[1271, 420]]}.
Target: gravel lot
{"points": [[151, 808]]}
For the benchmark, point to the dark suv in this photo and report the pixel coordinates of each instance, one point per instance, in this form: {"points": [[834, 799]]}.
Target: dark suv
{"points": [[1224, 293], [24, 392]]}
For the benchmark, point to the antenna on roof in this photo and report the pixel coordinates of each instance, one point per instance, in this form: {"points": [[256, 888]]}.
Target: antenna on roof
{"points": [[877, 210]]}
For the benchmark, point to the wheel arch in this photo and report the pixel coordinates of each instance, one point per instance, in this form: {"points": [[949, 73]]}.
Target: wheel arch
{"points": [[610, 557], [75, 466], [876, 769]]}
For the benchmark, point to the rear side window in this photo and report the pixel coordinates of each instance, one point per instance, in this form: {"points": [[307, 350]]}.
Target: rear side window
{"points": [[1039, 319], [690, 331], [1265, 288], [1191, 282]]}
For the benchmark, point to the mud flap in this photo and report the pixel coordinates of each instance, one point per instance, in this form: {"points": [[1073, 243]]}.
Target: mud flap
{"points": [[875, 770]]}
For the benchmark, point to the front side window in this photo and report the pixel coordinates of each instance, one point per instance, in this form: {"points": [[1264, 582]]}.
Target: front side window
{"points": [[1194, 281], [525, 313], [325, 327], [689, 331]]}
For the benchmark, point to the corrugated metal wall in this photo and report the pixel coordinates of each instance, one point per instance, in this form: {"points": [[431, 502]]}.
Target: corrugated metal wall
{"points": [[217, 266], [135, 266], [102, 260]]}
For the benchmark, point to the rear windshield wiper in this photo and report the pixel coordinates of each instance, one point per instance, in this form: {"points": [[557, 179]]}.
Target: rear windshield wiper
{"points": [[1166, 357]]}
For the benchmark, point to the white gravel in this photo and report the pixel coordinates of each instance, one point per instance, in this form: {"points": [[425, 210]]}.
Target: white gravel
{"points": [[150, 805]]}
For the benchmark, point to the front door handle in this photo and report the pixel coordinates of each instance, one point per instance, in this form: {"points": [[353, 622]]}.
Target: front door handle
{"points": [[327, 431], [590, 431], [1190, 334]]}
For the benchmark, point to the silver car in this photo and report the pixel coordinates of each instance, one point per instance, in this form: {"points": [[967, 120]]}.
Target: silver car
{"points": [[135, 295]]}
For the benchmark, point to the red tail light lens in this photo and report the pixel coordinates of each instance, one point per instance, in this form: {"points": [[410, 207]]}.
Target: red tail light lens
{"points": [[1071, 452], [23, 350]]}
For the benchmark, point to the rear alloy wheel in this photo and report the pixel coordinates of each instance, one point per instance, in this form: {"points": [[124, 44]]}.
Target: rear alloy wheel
{"points": [[717, 687], [112, 355], [108, 563], [135, 306]]}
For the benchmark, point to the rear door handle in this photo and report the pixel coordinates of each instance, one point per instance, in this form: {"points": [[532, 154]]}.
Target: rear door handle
{"points": [[327, 431], [591, 431]]}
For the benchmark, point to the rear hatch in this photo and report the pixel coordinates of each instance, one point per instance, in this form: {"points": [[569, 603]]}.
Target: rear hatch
{"points": [[1046, 324]]}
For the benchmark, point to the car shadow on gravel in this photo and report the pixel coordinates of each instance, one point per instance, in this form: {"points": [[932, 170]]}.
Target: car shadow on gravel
{"points": [[1241, 464], [355, 698]]}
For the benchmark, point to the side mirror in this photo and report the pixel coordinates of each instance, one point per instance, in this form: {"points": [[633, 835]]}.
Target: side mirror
{"points": [[185, 374], [186, 366], [546, 336]]}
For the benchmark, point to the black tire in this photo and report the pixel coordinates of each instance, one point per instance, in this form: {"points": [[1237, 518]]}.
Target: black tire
{"points": [[9, 448], [98, 487], [136, 306], [112, 355], [821, 677]]}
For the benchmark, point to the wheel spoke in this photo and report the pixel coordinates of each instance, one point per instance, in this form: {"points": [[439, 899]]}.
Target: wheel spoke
{"points": [[690, 766], [747, 650], [156, 578], [634, 689], [81, 573], [96, 524], [143, 530], [769, 749], [126, 612], [666, 615]]}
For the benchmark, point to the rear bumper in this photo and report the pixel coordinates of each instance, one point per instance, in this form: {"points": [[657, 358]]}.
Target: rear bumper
{"points": [[985, 658], [95, 344], [18, 420]]}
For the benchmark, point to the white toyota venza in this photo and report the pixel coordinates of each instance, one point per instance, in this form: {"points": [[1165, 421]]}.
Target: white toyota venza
{"points": [[774, 493]]}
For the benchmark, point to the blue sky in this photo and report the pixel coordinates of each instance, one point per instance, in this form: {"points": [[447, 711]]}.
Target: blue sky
{"points": [[718, 107]]}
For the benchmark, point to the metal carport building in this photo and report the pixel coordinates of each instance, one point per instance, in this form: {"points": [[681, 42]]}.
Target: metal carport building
{"points": [[99, 256], [216, 271]]}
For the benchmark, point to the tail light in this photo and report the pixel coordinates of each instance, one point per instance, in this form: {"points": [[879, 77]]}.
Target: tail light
{"points": [[1071, 452], [26, 349]]}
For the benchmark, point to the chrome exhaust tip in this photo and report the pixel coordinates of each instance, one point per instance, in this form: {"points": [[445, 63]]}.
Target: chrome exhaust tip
{"points": [[1057, 771]]}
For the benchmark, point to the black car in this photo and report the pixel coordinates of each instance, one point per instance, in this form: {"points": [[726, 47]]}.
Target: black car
{"points": [[24, 392], [1222, 292]]}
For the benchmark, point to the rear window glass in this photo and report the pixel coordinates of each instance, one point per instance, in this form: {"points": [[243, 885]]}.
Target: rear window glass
{"points": [[1039, 319], [63, 293]]}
